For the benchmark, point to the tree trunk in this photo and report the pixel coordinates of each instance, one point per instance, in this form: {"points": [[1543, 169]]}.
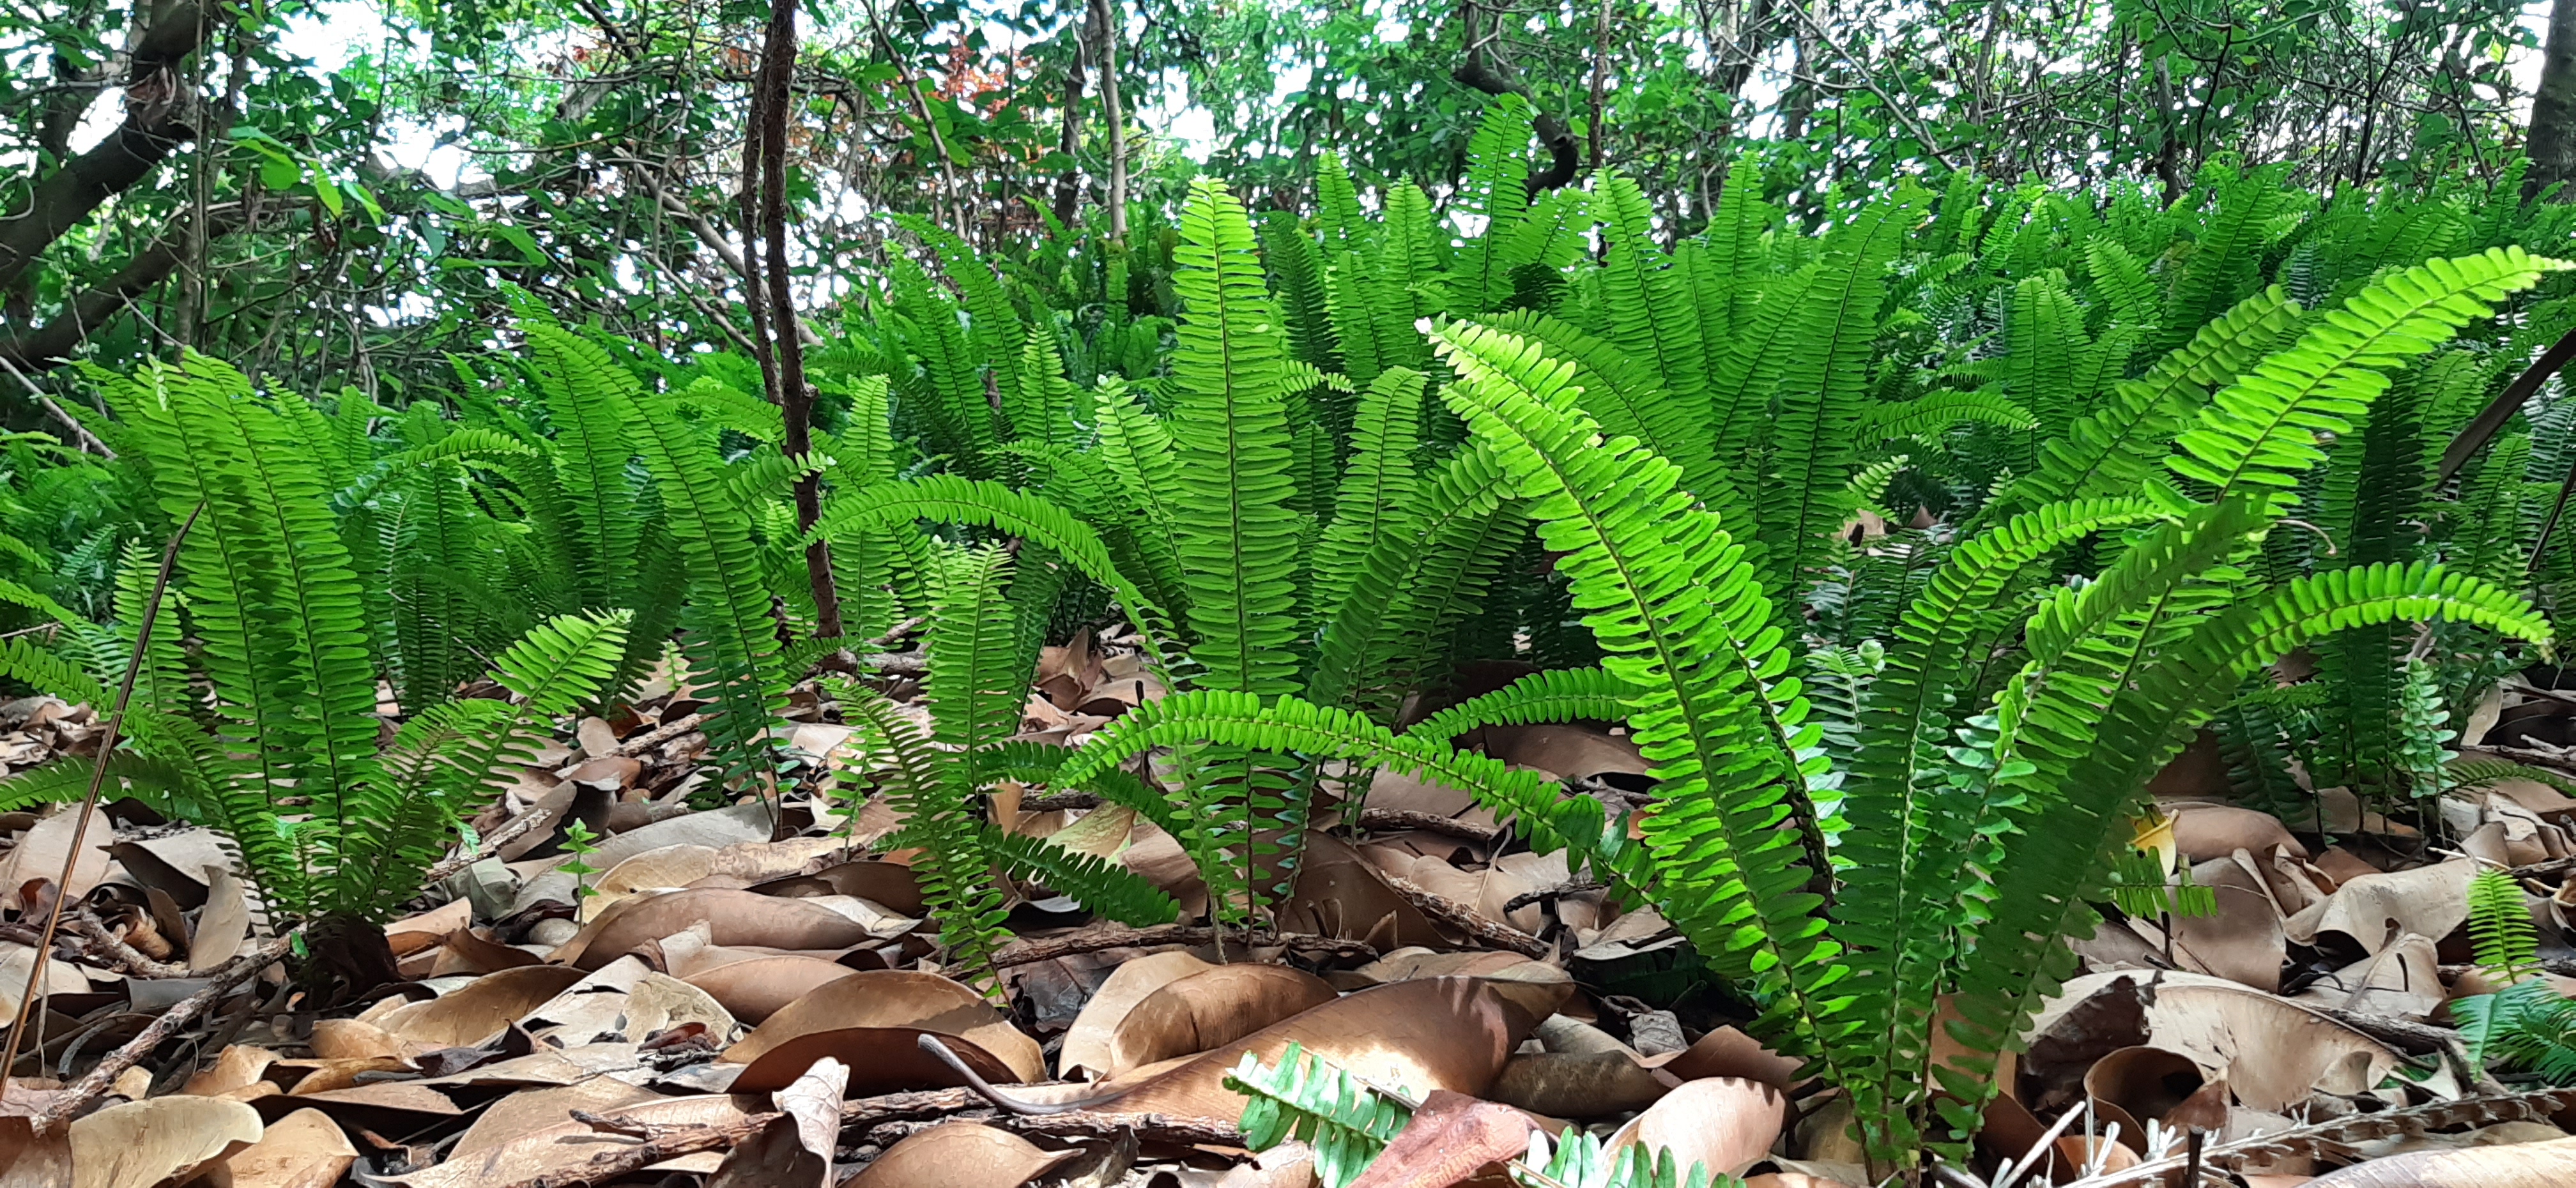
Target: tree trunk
{"points": [[2551, 143], [795, 399], [1068, 188], [1106, 26]]}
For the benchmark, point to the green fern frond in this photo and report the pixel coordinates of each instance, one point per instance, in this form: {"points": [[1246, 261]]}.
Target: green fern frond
{"points": [[1677, 609], [2114, 451], [950, 499], [1378, 485], [2501, 933], [954, 871], [1345, 1121], [729, 637], [1556, 695], [592, 403], [1241, 720], [1105, 889], [1238, 537], [1813, 434], [2262, 429], [1938, 412]]}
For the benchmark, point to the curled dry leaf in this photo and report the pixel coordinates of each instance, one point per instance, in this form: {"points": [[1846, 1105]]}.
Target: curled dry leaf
{"points": [[40, 854], [1086, 1044], [412, 934], [668, 867], [1726, 1124], [478, 1010], [794, 1150], [567, 1143], [146, 1142], [1728, 1052], [2142, 1082], [2377, 909], [467, 951], [2274, 1052], [2205, 831], [29, 1159], [2242, 941], [305, 1149], [1446, 1141], [732, 917], [350, 1039], [1212, 1007], [536, 1109], [236, 1068], [959, 1155], [872, 1021], [1578, 1085], [1435, 1033], [223, 925], [756, 988], [2522, 1165]]}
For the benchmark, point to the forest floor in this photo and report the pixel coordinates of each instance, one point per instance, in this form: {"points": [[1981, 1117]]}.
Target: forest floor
{"points": [[738, 994]]}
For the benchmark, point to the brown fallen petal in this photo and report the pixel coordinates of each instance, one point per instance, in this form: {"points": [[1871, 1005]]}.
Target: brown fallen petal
{"points": [[1209, 1008], [467, 951], [146, 1142], [959, 1155], [1725, 1124], [2378, 909], [1572, 1085], [305, 1149], [478, 1010], [2143, 1081], [1086, 1044], [756, 988], [733, 917], [2522, 1165], [887, 1000], [1434, 1033], [1446, 1141]]}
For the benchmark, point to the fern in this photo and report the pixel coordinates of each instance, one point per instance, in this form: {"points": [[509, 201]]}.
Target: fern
{"points": [[2260, 431], [2506, 942], [1680, 615], [1346, 1122]]}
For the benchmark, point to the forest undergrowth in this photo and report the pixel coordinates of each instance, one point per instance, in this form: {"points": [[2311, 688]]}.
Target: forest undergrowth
{"points": [[1972, 683]]}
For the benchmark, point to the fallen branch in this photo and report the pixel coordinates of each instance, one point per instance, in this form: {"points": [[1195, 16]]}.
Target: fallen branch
{"points": [[673, 1142], [98, 1080], [1446, 911], [1400, 819], [115, 951], [1151, 1127], [2338, 1136], [1049, 948]]}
